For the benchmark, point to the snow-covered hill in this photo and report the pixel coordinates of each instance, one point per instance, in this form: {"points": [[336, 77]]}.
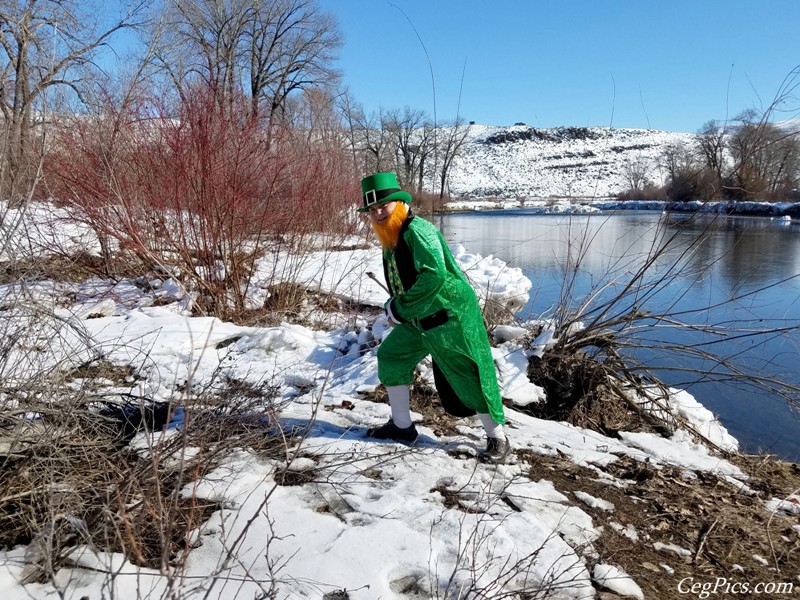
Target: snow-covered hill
{"points": [[582, 162]]}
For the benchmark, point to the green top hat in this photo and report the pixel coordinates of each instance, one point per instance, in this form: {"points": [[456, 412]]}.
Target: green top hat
{"points": [[381, 188]]}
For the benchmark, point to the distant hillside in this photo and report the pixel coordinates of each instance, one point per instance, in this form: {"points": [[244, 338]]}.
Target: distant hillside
{"points": [[522, 161]]}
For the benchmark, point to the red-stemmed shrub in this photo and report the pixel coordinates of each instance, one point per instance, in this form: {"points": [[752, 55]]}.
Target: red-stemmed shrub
{"points": [[202, 186]]}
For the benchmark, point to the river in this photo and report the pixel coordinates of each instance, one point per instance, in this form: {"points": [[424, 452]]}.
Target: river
{"points": [[739, 275]]}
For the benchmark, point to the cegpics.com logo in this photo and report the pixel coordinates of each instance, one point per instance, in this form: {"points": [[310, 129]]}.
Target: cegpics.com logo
{"points": [[723, 585]]}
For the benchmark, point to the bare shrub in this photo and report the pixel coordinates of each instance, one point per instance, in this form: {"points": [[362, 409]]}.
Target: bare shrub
{"points": [[201, 189], [426, 203], [70, 477], [649, 192]]}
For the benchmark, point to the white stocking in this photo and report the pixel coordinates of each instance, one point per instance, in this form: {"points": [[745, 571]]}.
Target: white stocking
{"points": [[399, 400], [493, 430]]}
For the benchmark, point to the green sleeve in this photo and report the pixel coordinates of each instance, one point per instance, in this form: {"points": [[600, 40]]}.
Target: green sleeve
{"points": [[429, 263]]}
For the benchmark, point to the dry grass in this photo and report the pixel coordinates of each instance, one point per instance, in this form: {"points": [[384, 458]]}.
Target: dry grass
{"points": [[69, 476], [721, 527], [60, 267]]}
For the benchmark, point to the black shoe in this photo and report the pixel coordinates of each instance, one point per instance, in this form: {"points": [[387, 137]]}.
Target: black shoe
{"points": [[496, 450], [390, 431]]}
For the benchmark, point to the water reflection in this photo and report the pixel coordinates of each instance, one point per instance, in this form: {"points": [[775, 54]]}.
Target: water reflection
{"points": [[748, 252], [732, 272]]}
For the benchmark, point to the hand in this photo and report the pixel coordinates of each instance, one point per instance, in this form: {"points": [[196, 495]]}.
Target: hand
{"points": [[387, 308]]}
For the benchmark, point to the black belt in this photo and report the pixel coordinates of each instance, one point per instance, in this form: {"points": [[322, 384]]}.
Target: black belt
{"points": [[440, 317]]}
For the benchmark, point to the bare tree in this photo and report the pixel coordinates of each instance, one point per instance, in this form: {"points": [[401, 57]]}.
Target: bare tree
{"points": [[372, 140], [46, 44], [425, 150], [268, 48], [405, 142], [314, 116], [677, 159], [682, 170], [401, 141], [711, 147], [637, 172], [205, 38], [291, 45], [765, 157], [350, 113], [405, 130], [449, 149]]}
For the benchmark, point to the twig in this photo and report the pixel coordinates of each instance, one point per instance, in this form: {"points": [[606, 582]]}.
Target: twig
{"points": [[703, 538]]}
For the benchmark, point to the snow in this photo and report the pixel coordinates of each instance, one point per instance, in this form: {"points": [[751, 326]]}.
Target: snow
{"points": [[660, 546], [680, 450], [702, 419], [42, 227], [374, 536], [512, 372], [575, 170], [594, 502], [558, 163], [787, 506], [616, 580], [629, 531]]}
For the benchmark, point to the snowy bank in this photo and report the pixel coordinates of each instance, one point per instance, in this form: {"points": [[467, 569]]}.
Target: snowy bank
{"points": [[362, 519]]}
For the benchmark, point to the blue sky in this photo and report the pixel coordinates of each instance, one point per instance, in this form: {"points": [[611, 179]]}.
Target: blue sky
{"points": [[668, 64]]}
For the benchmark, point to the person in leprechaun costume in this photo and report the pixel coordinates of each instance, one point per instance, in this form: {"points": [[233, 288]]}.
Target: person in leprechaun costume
{"points": [[434, 311]]}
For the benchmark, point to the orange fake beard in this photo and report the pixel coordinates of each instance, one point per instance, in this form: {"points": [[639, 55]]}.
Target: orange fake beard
{"points": [[388, 232]]}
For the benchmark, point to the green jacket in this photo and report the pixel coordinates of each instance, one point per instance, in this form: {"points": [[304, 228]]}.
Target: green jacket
{"points": [[432, 295]]}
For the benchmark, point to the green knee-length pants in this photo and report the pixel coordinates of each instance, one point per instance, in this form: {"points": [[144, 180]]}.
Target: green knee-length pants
{"points": [[475, 383]]}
